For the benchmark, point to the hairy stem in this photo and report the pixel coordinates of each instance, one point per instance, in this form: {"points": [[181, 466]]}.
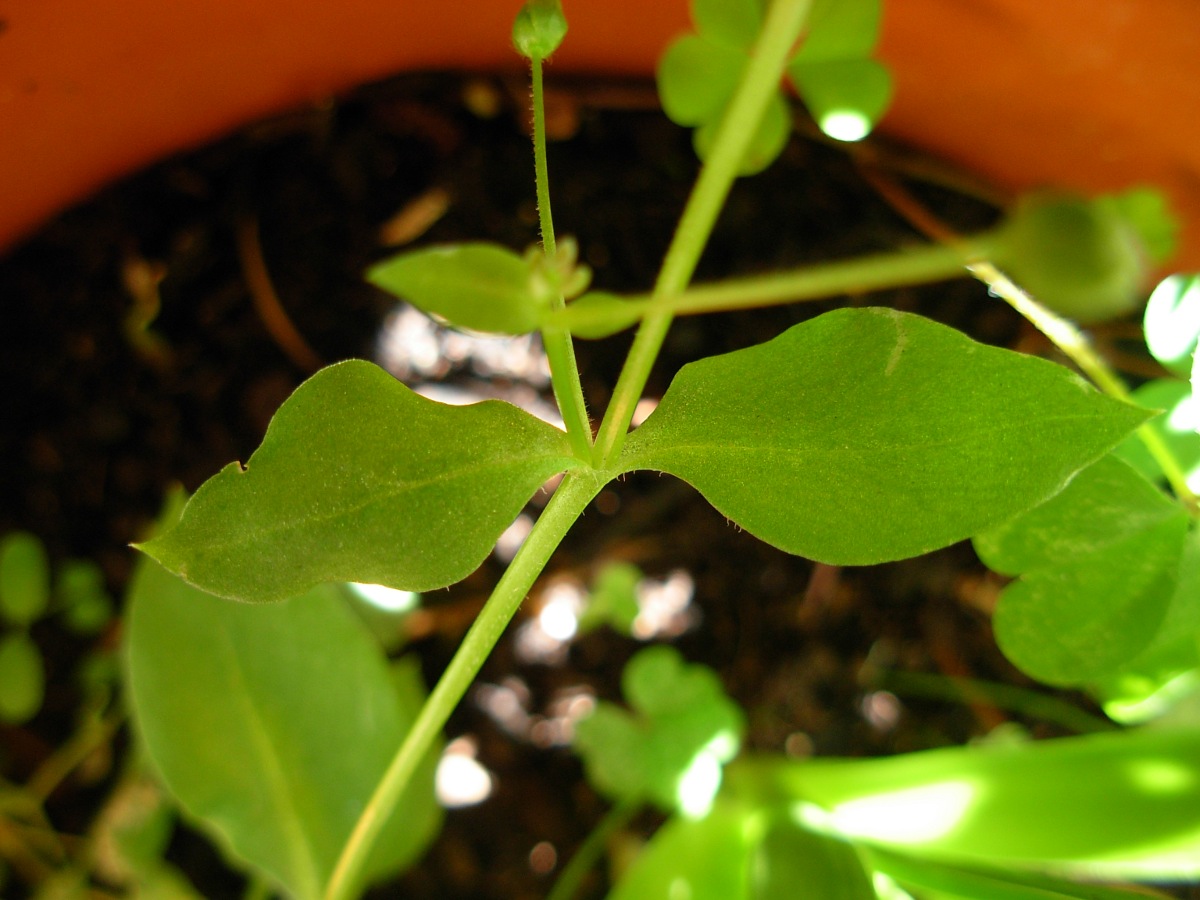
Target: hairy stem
{"points": [[567, 504], [564, 372], [784, 21]]}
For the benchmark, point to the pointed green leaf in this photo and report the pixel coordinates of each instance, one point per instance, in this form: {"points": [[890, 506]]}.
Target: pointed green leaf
{"points": [[867, 435], [846, 97], [24, 578], [360, 479], [670, 750], [271, 725], [1099, 565], [478, 286], [1172, 322]]}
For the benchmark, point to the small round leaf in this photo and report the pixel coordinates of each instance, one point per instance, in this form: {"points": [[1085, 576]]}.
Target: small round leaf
{"points": [[22, 678], [24, 578]]}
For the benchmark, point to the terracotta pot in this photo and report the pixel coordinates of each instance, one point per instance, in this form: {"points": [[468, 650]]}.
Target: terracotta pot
{"points": [[1091, 94]]}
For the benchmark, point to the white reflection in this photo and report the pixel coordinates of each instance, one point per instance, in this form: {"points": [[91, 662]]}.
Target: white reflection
{"points": [[665, 607], [909, 816], [461, 780], [845, 125], [386, 598]]}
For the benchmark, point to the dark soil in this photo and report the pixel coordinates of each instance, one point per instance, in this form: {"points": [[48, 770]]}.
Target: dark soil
{"points": [[97, 425]]}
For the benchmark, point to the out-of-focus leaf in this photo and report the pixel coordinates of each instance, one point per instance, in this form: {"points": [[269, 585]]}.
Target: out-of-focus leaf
{"points": [[731, 23], [669, 751], [360, 479], [846, 97], [841, 30], [22, 677], [1083, 259], [613, 599], [86, 605], [1114, 805], [24, 578], [271, 725], [866, 435]]}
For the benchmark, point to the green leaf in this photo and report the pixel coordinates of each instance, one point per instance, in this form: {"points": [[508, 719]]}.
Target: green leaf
{"points": [[1083, 259], [22, 678], [1114, 805], [271, 725], [24, 578], [613, 599], [1172, 322], [1098, 563], [841, 30], [768, 142], [795, 862], [482, 287], [868, 435], [730, 23], [744, 851], [956, 882], [86, 605], [360, 479], [539, 28], [846, 97], [700, 859], [1176, 427], [1148, 685], [1147, 211], [696, 78], [670, 751]]}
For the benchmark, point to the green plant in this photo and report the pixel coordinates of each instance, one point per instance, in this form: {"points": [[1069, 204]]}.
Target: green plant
{"points": [[859, 436], [29, 591]]}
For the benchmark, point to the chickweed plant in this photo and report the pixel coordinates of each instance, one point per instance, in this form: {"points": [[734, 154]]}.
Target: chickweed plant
{"points": [[859, 436]]}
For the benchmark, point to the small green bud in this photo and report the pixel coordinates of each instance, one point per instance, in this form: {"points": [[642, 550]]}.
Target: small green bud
{"points": [[539, 28]]}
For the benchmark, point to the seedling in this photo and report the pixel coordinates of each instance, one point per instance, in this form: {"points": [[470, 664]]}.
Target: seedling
{"points": [[859, 436]]}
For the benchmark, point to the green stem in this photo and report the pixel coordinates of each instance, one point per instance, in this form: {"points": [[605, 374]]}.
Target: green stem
{"points": [[885, 270], [1071, 341], [560, 351], [769, 56], [571, 878], [1033, 704], [567, 504]]}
